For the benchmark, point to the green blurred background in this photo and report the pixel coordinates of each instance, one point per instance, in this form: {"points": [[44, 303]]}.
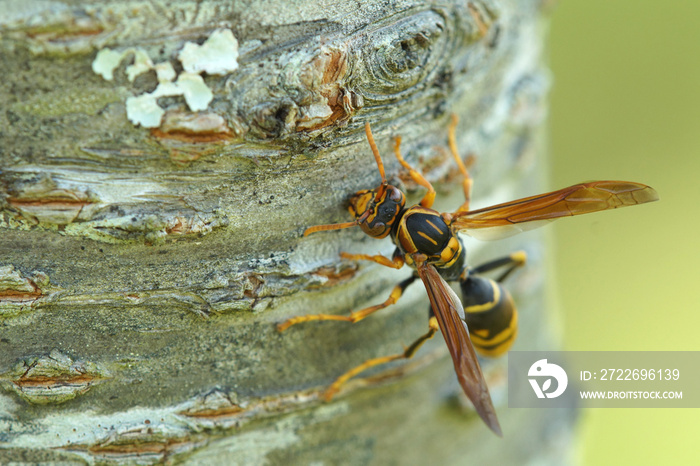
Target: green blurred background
{"points": [[625, 104]]}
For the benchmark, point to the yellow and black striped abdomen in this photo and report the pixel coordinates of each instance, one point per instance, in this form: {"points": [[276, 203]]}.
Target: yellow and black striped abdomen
{"points": [[490, 315]]}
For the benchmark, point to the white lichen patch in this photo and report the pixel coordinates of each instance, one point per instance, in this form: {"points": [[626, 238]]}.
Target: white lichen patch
{"points": [[218, 55], [196, 93], [142, 64], [107, 61], [164, 71], [144, 109]]}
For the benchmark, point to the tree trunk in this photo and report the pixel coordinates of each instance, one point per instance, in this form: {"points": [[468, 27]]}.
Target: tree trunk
{"points": [[159, 162]]}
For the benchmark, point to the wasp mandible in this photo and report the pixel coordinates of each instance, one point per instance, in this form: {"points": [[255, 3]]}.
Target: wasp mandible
{"points": [[427, 241]]}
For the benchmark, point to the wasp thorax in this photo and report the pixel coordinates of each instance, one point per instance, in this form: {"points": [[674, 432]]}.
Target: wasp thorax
{"points": [[377, 209]]}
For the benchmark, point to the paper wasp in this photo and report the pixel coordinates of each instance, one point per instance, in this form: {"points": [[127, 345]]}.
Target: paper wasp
{"points": [[427, 241]]}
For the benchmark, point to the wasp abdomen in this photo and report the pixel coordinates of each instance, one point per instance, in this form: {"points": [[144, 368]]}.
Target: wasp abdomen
{"points": [[490, 315]]}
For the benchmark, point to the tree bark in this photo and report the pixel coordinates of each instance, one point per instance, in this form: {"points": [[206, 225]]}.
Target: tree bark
{"points": [[159, 162]]}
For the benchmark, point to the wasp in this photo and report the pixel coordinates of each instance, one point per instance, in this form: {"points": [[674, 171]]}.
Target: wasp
{"points": [[485, 318]]}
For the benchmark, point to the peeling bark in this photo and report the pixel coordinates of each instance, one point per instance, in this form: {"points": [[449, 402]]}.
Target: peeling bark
{"points": [[152, 204]]}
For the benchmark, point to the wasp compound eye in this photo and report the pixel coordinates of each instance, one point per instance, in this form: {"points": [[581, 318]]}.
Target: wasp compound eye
{"points": [[360, 202]]}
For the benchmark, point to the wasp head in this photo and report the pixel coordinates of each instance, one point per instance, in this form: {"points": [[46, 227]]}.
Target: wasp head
{"points": [[376, 210]]}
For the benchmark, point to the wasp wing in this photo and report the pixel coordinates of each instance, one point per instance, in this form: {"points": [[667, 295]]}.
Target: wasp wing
{"points": [[510, 218], [449, 313]]}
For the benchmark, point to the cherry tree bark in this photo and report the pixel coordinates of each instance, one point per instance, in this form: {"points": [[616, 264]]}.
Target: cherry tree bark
{"points": [[159, 162]]}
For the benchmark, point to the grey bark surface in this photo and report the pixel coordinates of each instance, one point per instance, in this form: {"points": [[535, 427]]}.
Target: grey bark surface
{"points": [[143, 267]]}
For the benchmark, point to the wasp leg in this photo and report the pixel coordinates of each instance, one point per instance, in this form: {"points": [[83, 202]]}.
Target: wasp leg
{"points": [[467, 182], [354, 316], [407, 354], [395, 263], [429, 197], [512, 262]]}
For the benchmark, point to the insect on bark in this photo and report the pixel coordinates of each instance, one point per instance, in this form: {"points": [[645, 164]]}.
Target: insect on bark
{"points": [[485, 319]]}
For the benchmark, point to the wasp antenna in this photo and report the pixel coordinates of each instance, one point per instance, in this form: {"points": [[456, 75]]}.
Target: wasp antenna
{"points": [[451, 130], [375, 151], [332, 226], [452, 142]]}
